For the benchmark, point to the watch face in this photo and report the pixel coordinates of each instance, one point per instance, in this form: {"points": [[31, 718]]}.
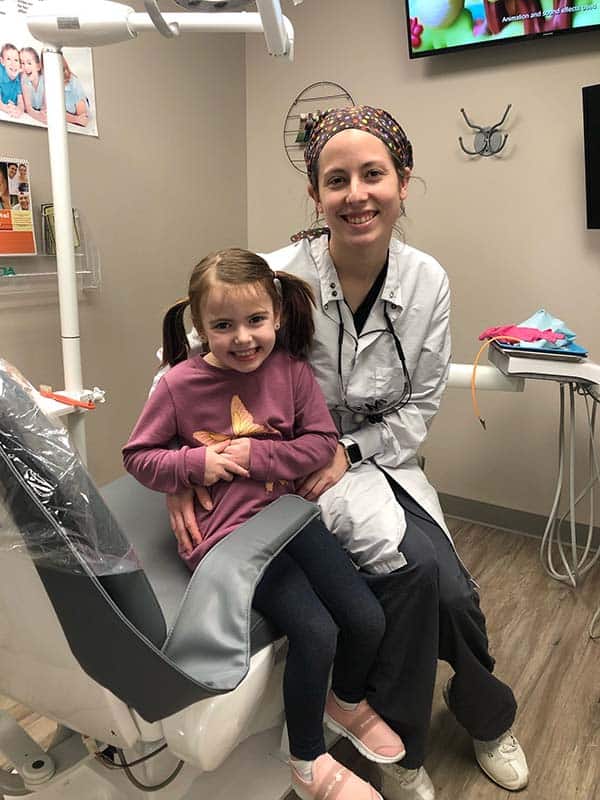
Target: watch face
{"points": [[354, 454]]}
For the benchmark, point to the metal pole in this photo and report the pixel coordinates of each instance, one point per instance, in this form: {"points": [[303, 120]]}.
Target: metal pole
{"points": [[65, 245]]}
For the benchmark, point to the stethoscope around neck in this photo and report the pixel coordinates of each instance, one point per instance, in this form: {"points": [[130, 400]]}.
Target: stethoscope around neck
{"points": [[374, 412]]}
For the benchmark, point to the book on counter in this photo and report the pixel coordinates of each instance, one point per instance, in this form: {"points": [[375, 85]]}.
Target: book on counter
{"points": [[568, 352]]}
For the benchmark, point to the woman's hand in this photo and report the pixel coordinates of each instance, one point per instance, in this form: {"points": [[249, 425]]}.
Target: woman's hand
{"points": [[313, 486], [221, 467], [239, 451], [183, 518]]}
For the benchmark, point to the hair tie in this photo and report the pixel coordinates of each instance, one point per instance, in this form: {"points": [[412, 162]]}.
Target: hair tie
{"points": [[310, 234], [183, 301], [277, 284]]}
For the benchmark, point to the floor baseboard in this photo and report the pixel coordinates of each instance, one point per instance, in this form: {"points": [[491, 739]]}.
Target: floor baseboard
{"points": [[508, 519]]}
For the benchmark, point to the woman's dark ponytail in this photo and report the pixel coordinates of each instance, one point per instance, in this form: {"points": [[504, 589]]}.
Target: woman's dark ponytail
{"points": [[175, 342], [297, 324]]}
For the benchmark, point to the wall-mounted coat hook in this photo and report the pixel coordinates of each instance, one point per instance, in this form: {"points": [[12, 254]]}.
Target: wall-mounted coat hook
{"points": [[487, 141]]}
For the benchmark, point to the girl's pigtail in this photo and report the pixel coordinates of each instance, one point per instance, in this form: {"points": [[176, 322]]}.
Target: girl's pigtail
{"points": [[175, 341], [297, 324]]}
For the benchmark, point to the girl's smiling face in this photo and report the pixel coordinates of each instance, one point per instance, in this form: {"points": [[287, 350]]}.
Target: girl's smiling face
{"points": [[11, 63], [240, 324], [29, 64]]}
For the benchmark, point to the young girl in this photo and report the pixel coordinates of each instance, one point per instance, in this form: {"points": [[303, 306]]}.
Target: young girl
{"points": [[11, 99], [32, 84], [252, 421], [76, 102]]}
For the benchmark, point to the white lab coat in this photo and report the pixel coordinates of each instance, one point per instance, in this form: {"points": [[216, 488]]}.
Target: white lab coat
{"points": [[416, 294]]}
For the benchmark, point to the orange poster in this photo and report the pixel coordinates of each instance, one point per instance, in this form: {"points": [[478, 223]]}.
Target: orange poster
{"points": [[17, 235]]}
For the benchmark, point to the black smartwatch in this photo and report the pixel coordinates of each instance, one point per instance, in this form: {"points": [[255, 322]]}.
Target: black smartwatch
{"points": [[353, 453]]}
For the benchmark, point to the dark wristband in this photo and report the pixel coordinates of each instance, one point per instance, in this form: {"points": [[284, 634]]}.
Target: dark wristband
{"points": [[353, 454]]}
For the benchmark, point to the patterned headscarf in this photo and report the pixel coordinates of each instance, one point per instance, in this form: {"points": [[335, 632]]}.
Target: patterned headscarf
{"points": [[362, 118]]}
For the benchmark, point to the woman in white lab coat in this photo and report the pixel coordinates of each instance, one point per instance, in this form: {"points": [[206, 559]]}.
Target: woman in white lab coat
{"points": [[381, 356]]}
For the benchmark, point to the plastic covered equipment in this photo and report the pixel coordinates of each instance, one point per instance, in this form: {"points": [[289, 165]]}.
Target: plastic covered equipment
{"points": [[46, 491], [52, 514]]}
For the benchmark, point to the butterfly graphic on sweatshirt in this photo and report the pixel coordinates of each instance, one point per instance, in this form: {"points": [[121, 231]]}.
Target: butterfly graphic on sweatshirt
{"points": [[242, 424]]}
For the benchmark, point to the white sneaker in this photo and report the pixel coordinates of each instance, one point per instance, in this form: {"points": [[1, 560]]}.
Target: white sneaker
{"points": [[503, 760], [399, 783]]}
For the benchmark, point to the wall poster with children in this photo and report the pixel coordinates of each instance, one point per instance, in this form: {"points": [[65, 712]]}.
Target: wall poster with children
{"points": [[22, 94], [17, 236]]}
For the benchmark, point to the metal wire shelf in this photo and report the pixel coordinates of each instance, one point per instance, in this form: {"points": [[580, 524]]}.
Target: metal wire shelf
{"points": [[306, 105]]}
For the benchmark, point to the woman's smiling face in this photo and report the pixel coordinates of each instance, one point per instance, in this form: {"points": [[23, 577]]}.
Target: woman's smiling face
{"points": [[359, 189]]}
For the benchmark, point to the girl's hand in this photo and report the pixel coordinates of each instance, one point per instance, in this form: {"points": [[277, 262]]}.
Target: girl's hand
{"points": [[313, 486], [221, 467], [78, 119], [239, 451]]}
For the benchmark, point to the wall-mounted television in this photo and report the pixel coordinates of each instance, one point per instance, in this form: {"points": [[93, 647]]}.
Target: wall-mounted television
{"points": [[442, 26]]}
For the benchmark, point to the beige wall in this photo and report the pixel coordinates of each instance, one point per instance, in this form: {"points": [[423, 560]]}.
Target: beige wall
{"points": [[157, 194], [510, 231], [162, 185]]}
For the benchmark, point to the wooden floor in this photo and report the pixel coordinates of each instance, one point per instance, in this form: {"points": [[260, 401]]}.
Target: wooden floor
{"points": [[539, 636], [538, 631], [39, 728]]}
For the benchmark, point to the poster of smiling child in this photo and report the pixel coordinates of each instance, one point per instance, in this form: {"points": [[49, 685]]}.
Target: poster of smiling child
{"points": [[22, 90]]}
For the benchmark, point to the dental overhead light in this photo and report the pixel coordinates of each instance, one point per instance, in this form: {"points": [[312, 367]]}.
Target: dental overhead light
{"points": [[213, 5], [218, 5], [71, 23]]}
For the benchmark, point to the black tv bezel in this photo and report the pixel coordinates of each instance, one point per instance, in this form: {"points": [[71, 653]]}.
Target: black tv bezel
{"points": [[490, 42]]}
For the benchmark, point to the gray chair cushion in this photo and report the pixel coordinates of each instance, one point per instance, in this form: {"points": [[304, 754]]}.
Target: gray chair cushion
{"points": [[211, 637], [142, 516]]}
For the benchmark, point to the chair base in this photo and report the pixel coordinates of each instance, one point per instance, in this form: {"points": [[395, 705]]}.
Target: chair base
{"points": [[254, 771]]}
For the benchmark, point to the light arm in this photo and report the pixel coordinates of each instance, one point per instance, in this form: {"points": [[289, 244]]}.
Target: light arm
{"points": [[65, 23]]}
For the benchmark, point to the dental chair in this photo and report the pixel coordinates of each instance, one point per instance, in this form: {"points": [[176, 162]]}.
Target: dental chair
{"points": [[103, 630]]}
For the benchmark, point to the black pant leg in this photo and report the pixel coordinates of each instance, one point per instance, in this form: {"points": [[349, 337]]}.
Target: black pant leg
{"points": [[285, 596], [482, 703], [400, 685], [351, 603]]}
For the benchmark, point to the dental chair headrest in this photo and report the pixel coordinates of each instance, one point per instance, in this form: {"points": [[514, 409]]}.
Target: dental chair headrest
{"points": [[49, 484]]}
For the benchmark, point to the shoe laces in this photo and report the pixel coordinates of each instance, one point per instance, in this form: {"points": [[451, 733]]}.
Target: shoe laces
{"points": [[405, 776], [505, 744], [508, 743]]}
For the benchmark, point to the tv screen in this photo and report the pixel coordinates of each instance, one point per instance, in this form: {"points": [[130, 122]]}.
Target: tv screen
{"points": [[440, 26]]}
